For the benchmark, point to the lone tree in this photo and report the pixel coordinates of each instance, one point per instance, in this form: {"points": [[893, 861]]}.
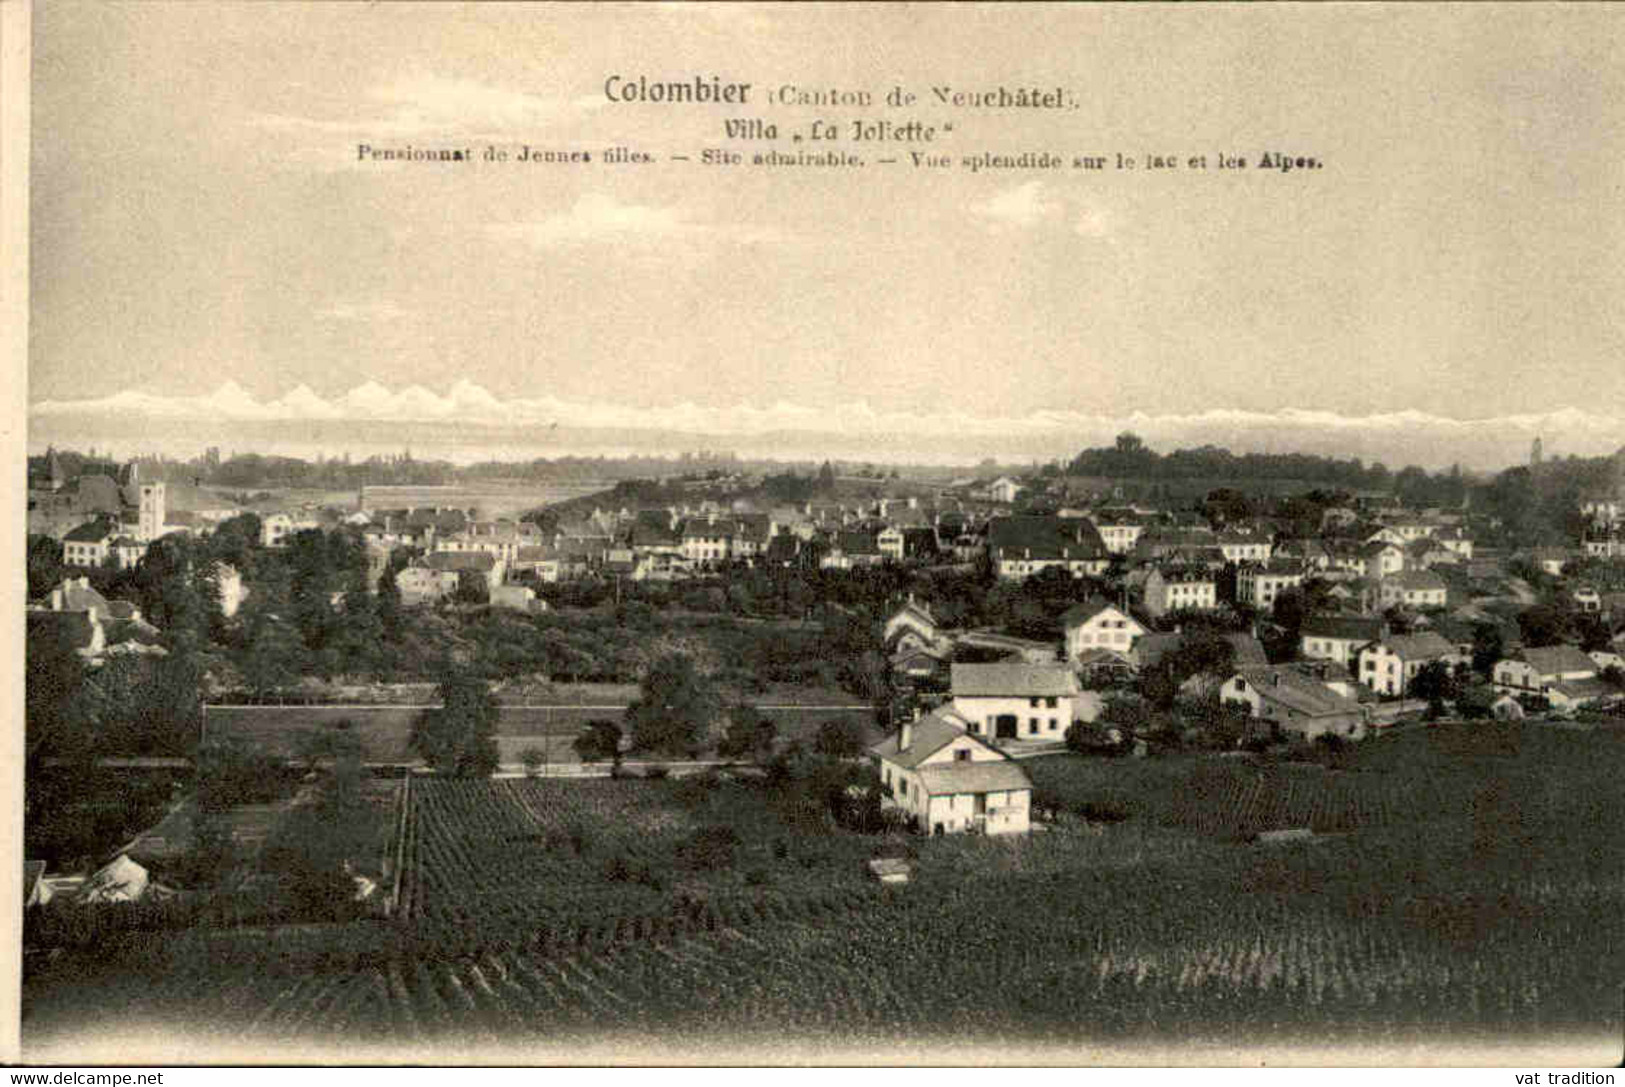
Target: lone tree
{"points": [[839, 738], [600, 741], [532, 759], [676, 708], [459, 738]]}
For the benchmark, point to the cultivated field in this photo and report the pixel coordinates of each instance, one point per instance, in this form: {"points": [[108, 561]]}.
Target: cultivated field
{"points": [[1473, 895]]}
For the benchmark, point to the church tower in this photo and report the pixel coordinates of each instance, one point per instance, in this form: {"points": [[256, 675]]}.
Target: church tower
{"points": [[152, 512], [56, 479], [1534, 453]]}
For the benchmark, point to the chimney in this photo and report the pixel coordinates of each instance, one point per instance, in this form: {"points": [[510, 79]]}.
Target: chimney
{"points": [[1275, 679], [906, 736]]}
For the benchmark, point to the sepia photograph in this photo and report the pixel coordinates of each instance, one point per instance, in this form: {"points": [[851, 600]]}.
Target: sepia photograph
{"points": [[818, 534]]}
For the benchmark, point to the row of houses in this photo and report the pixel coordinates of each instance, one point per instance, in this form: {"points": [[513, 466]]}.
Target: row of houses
{"points": [[1102, 639]]}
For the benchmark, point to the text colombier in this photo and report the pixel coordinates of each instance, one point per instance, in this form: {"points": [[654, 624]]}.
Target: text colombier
{"points": [[706, 90]]}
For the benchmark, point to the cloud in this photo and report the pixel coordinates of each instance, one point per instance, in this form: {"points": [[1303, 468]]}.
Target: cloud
{"points": [[598, 216], [1407, 436], [1022, 206]]}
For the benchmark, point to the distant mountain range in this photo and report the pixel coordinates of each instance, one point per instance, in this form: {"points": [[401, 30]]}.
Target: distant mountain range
{"points": [[471, 418]]}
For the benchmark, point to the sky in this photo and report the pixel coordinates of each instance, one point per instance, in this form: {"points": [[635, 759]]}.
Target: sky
{"points": [[206, 248]]}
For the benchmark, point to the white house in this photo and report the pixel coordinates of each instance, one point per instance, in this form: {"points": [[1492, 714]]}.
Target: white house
{"points": [[1260, 585], [1176, 588], [912, 627], [1554, 673], [1015, 701], [1456, 539], [890, 542], [1021, 546], [1240, 548], [1118, 530], [87, 545], [1004, 489], [950, 782], [1379, 559], [1539, 670], [1097, 624], [1389, 664], [1413, 589], [1337, 637], [503, 546], [707, 540]]}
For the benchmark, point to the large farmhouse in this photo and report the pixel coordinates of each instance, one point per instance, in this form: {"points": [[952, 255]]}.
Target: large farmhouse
{"points": [[1015, 701], [948, 782], [1298, 703]]}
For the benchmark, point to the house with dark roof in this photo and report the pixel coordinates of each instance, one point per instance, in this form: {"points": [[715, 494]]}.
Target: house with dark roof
{"points": [[787, 549], [89, 544], [921, 543], [1024, 545], [752, 534], [1551, 560], [483, 563], [1413, 589], [1562, 674], [1178, 587], [923, 667], [1119, 529], [1426, 553], [1297, 702], [1380, 559], [852, 549], [653, 534], [707, 539], [946, 780], [127, 551], [1104, 665], [1305, 554], [544, 562], [1389, 664], [1338, 637], [1015, 700], [1260, 585]]}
